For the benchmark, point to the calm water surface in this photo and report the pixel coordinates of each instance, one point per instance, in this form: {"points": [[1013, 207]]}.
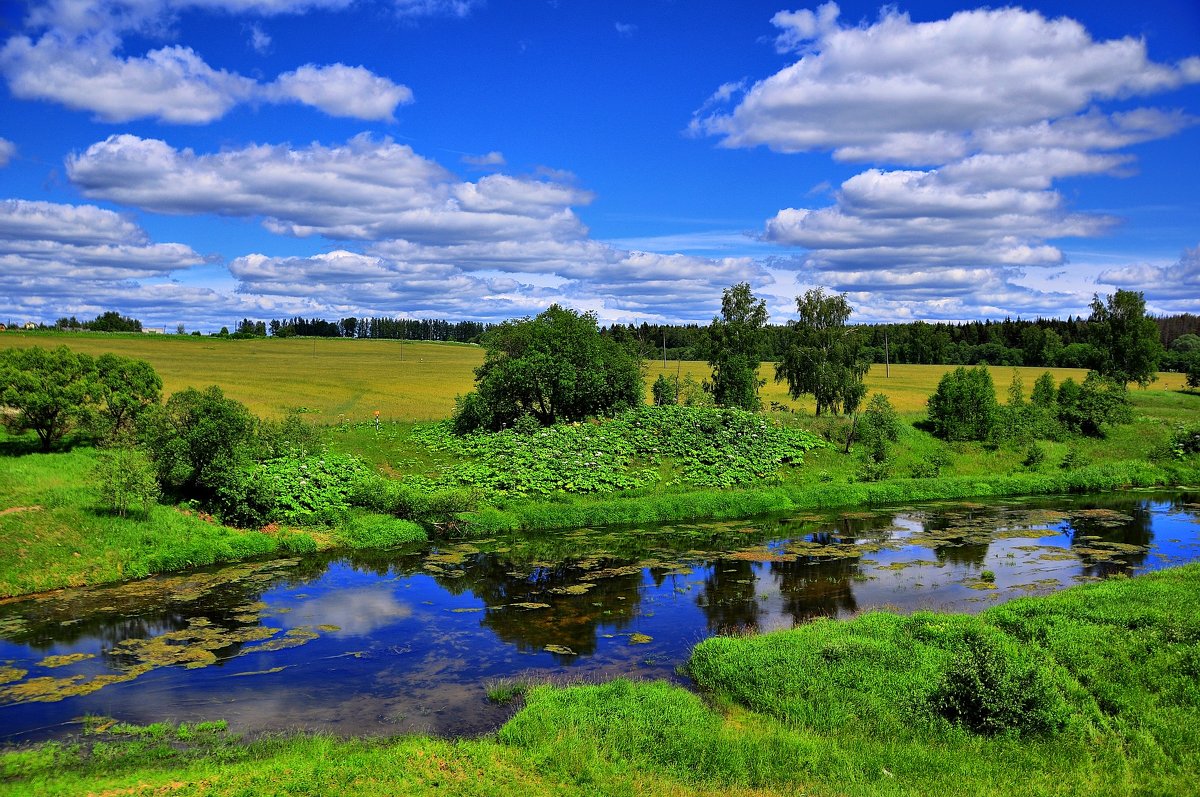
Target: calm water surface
{"points": [[410, 639]]}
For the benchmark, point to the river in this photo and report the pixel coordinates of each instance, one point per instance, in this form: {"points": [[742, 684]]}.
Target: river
{"points": [[410, 639]]}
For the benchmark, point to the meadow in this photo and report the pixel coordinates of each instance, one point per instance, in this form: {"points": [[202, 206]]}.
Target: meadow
{"points": [[332, 379]]}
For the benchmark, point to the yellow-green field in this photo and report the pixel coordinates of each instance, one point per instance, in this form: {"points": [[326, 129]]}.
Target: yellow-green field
{"points": [[406, 381]]}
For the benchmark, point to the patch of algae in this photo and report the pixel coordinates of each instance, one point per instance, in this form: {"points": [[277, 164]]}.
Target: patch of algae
{"points": [[191, 647], [8, 674], [574, 589], [294, 638], [63, 661], [50, 690], [561, 650], [530, 605], [903, 565], [11, 626], [761, 555], [640, 639], [260, 672]]}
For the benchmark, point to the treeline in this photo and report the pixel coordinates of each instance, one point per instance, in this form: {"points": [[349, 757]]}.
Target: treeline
{"points": [[380, 328], [1044, 342], [111, 321]]}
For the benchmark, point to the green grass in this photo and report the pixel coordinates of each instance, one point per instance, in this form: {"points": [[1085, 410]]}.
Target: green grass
{"points": [[60, 534], [1094, 690]]}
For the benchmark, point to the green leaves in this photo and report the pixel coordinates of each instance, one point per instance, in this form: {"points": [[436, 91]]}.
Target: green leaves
{"points": [[51, 390], [735, 343], [824, 357], [555, 367], [964, 406], [1127, 338], [703, 447]]}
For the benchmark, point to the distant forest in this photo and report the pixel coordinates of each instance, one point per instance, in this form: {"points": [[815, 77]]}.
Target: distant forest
{"points": [[1042, 342]]}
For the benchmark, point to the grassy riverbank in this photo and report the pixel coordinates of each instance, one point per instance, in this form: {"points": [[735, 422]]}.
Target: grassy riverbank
{"points": [[1092, 690], [60, 534]]}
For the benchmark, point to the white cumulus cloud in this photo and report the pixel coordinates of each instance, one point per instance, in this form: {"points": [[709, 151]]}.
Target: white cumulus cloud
{"points": [[73, 54], [969, 121], [341, 90]]}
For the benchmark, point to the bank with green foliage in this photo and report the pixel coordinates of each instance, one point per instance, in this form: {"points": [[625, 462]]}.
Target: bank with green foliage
{"points": [[1092, 690]]}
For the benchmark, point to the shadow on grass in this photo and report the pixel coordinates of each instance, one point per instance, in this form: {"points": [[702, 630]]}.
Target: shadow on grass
{"points": [[28, 443]]}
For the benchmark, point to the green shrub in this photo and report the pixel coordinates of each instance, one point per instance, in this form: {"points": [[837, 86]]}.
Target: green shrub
{"points": [[993, 686], [200, 442], [125, 476], [1086, 408], [555, 367], [1185, 441], [1035, 455], [379, 531], [665, 390], [964, 406]]}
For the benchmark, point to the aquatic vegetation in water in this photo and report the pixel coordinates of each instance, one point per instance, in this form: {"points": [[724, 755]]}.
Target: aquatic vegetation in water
{"points": [[640, 639], [62, 661], [294, 638], [8, 674], [561, 650]]}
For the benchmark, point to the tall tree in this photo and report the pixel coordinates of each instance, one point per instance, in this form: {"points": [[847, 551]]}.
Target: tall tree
{"points": [[824, 358], [51, 390], [1127, 338], [735, 341], [127, 388], [555, 367]]}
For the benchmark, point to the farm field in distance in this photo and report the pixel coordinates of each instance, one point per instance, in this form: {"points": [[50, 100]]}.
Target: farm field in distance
{"points": [[330, 378]]}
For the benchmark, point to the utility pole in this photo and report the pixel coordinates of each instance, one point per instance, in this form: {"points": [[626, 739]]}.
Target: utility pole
{"points": [[887, 365]]}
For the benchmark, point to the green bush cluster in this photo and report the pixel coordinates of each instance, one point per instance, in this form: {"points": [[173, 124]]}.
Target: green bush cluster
{"points": [[1185, 441], [57, 391], [964, 406], [555, 367], [878, 428], [707, 447]]}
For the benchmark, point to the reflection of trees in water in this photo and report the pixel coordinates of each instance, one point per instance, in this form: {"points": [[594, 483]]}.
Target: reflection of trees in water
{"points": [[570, 620], [971, 555], [816, 589], [1138, 530], [728, 599]]}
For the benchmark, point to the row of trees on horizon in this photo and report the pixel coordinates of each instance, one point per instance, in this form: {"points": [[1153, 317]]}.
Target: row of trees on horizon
{"points": [[1042, 342]]}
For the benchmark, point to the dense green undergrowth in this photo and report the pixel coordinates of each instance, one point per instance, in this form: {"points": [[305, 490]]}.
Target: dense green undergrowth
{"points": [[1094, 690], [699, 447], [662, 507]]}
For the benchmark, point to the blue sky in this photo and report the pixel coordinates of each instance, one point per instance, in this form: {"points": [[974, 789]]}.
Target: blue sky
{"points": [[200, 161]]}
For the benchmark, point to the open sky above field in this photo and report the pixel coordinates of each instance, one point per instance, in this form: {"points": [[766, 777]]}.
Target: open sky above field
{"points": [[200, 161]]}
